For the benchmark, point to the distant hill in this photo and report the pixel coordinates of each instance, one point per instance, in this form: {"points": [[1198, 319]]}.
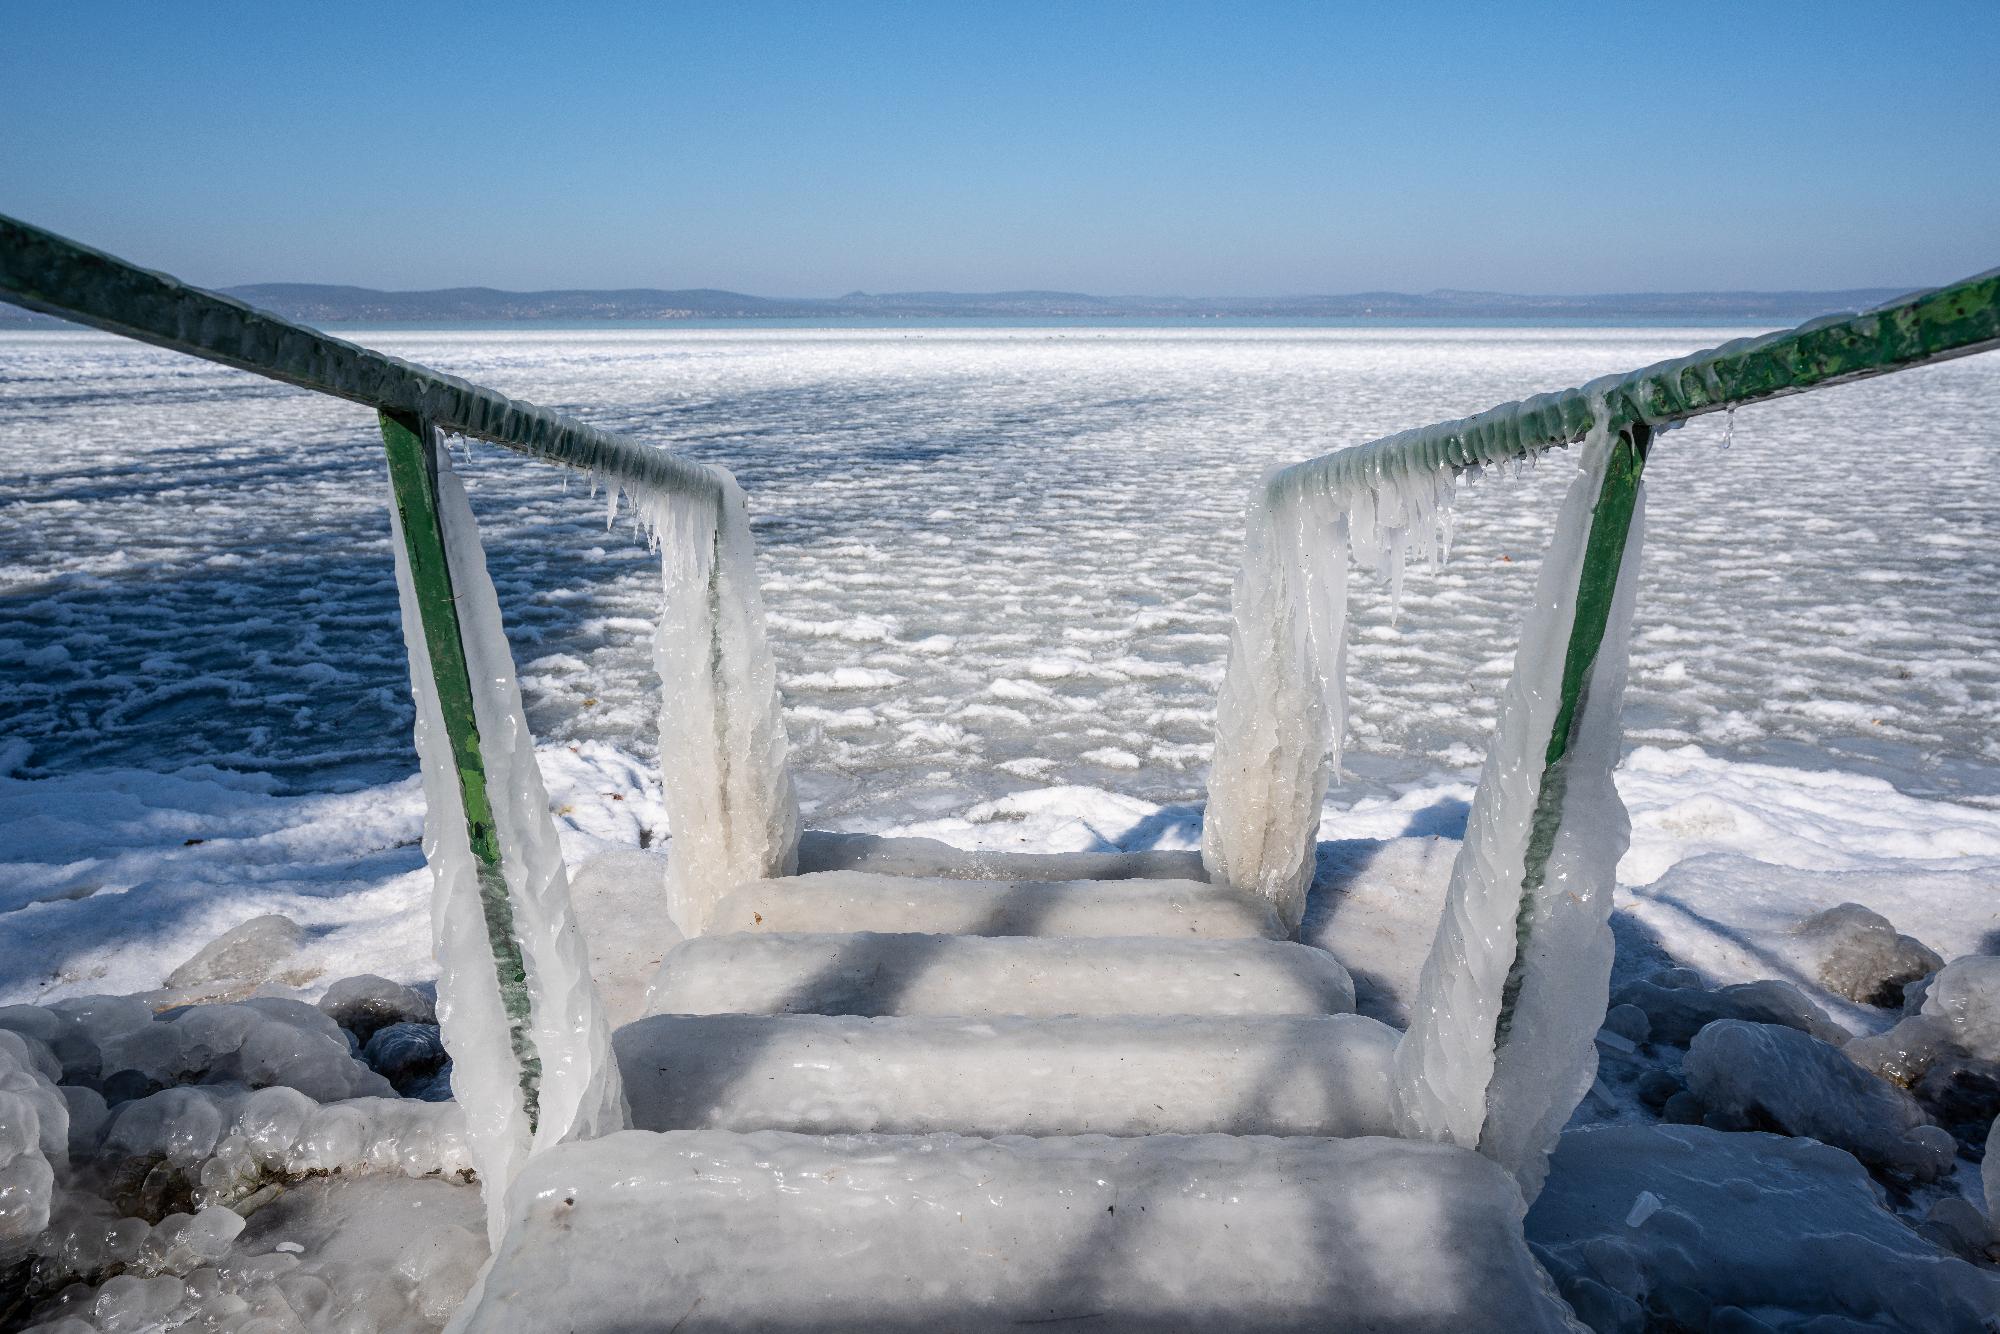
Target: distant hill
{"points": [[314, 303]]}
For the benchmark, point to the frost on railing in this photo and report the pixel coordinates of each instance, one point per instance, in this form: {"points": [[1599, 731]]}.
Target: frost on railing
{"points": [[526, 1080]]}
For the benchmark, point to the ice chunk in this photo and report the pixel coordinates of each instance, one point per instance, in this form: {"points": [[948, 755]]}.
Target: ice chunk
{"points": [[1864, 958], [34, 1145], [365, 1003], [1675, 1013], [405, 1054], [709, 1231], [1786, 1227], [1751, 1076], [723, 752], [1501, 1043], [242, 956], [527, 1080]]}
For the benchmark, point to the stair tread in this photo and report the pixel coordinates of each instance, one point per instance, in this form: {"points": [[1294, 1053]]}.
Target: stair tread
{"points": [[868, 973], [849, 901], [826, 850], [1322, 1075], [711, 1231]]}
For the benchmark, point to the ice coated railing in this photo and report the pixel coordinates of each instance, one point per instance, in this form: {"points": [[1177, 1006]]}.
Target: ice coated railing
{"points": [[521, 1017], [1500, 1045]]}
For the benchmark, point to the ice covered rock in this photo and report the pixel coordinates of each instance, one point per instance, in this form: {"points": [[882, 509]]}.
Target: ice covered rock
{"points": [[405, 1054], [1957, 1019], [1760, 1076], [1677, 1006], [34, 1143], [706, 1231], [365, 1003], [1863, 957], [1787, 1228], [246, 954]]}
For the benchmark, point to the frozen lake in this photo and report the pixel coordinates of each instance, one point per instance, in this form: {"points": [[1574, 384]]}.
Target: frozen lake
{"points": [[994, 559]]}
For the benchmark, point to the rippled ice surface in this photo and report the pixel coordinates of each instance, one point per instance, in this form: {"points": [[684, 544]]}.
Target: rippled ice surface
{"points": [[993, 558]]}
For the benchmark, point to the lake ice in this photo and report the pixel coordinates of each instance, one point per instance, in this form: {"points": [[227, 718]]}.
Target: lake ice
{"points": [[997, 566]]}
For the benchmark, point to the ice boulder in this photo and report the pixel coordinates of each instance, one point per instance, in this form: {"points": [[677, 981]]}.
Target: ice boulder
{"points": [[365, 1003], [1677, 1006], [1766, 1076], [246, 954], [34, 1143], [1684, 1227], [1861, 956], [1957, 1019]]}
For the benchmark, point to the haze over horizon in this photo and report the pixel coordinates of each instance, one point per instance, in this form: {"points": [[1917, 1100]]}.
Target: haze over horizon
{"points": [[1264, 151]]}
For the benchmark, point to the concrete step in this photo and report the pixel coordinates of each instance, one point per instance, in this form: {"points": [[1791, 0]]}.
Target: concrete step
{"points": [[823, 850], [1323, 1075], [701, 1232], [982, 976], [869, 901]]}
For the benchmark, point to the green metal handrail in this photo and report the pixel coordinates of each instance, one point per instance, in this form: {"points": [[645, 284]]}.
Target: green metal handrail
{"points": [[57, 276], [1914, 330]]}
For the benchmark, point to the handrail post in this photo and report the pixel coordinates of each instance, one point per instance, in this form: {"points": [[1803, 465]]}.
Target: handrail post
{"points": [[1597, 587], [412, 444]]}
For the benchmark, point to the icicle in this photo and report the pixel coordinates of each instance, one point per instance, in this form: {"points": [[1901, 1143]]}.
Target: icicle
{"points": [[723, 753], [1728, 427], [611, 510], [578, 1094], [1450, 1083]]}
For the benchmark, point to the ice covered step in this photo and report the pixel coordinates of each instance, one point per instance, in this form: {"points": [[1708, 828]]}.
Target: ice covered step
{"points": [[705, 1231], [820, 850], [871, 901], [976, 976], [1324, 1075]]}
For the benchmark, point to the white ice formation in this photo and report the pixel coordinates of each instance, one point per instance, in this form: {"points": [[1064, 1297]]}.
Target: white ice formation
{"points": [[1750, 1076], [1281, 715], [730, 804], [1513, 991], [561, 1082], [34, 1139], [1501, 1041]]}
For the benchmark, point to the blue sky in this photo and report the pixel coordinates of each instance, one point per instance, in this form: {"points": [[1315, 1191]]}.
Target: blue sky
{"points": [[813, 149]]}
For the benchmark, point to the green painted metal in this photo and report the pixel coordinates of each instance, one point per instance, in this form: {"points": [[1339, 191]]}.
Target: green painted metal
{"points": [[1915, 330], [57, 276], [1597, 588], [412, 444]]}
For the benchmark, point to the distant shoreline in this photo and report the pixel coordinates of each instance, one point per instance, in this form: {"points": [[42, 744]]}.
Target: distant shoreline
{"points": [[488, 308]]}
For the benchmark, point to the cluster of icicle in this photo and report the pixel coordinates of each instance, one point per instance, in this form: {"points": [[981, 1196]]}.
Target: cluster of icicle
{"points": [[730, 808], [1458, 1077], [1282, 712]]}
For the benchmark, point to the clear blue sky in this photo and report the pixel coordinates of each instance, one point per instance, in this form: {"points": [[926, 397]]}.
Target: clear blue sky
{"points": [[813, 149]]}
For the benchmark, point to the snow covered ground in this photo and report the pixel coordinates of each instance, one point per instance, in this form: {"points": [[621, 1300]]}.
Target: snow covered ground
{"points": [[997, 565]]}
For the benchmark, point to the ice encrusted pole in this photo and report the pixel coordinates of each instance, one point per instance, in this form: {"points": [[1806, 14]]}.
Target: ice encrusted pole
{"points": [[1501, 1042], [529, 1042], [731, 808]]}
